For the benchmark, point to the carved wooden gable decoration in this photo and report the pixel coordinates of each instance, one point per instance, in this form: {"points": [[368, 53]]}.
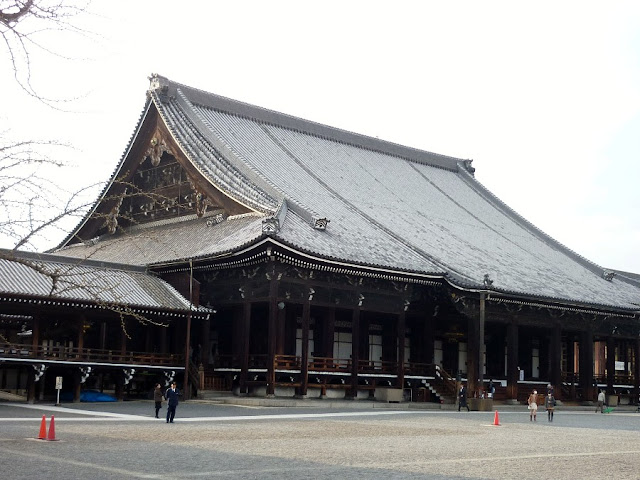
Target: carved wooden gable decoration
{"points": [[155, 182]]}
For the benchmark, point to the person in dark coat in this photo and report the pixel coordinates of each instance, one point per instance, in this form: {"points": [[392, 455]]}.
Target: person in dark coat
{"points": [[462, 398], [172, 401], [549, 404], [157, 397]]}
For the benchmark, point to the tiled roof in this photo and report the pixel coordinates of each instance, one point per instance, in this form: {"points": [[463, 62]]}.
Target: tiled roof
{"points": [[166, 242], [69, 279], [387, 205]]}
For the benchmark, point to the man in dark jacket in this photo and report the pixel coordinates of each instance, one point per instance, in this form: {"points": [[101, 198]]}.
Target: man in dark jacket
{"points": [[462, 398], [172, 401]]}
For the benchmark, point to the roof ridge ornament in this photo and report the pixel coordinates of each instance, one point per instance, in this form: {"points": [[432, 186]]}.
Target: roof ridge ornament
{"points": [[270, 226], [320, 223], [608, 275], [487, 281], [467, 166], [160, 85]]}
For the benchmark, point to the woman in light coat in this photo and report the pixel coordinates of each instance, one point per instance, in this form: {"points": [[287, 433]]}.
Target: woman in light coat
{"points": [[533, 406]]}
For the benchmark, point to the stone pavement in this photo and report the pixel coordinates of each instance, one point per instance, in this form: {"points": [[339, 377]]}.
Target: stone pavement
{"points": [[342, 439]]}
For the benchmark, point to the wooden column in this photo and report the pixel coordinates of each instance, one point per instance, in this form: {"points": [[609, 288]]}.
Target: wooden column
{"points": [[571, 365], [481, 355], [428, 339], [80, 324], [244, 343], [400, 354], [363, 342], [636, 370], [355, 351], [272, 336], [555, 359], [77, 386], [205, 335], [473, 354], [187, 359], [103, 335], [163, 339], [512, 361], [35, 335], [329, 331], [611, 363], [304, 360], [281, 330], [31, 386], [586, 364], [123, 344]]}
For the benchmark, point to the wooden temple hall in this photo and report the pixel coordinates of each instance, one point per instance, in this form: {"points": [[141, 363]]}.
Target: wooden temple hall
{"points": [[243, 250]]}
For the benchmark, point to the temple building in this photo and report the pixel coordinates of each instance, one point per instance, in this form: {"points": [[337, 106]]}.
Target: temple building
{"points": [[300, 259]]}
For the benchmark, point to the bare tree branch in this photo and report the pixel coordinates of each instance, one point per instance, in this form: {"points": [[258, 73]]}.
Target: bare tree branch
{"points": [[23, 23]]}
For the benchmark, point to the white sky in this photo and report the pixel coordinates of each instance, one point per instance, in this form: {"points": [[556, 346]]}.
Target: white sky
{"points": [[543, 96]]}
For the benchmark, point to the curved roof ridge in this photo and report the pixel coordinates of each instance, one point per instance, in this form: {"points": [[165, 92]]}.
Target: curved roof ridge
{"points": [[275, 118], [254, 176]]}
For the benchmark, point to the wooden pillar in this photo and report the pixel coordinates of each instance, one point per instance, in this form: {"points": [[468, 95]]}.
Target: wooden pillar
{"points": [[355, 351], [586, 365], [186, 392], [611, 363], [272, 336], [163, 339], [77, 386], [428, 340], [481, 355], [123, 344], [35, 337], [244, 353], [636, 371], [148, 338], [363, 342], [400, 355], [571, 365], [80, 324], [119, 381], [31, 386], [329, 331], [512, 361], [473, 354], [281, 322], [555, 359], [304, 360], [103, 335], [205, 335]]}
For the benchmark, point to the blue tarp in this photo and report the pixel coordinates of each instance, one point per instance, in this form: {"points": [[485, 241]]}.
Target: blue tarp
{"points": [[88, 396]]}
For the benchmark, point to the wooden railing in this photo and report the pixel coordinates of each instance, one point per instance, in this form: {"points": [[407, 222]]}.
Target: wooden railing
{"points": [[380, 366], [328, 364], [89, 355]]}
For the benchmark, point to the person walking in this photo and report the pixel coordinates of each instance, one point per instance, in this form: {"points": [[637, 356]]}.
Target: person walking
{"points": [[172, 401], [462, 398], [600, 405], [549, 404], [533, 406], [157, 397]]}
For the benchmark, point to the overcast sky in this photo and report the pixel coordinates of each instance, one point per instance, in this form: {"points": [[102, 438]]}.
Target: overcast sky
{"points": [[543, 96]]}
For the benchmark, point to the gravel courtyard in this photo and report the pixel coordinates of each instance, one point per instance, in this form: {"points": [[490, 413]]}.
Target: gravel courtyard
{"points": [[233, 442]]}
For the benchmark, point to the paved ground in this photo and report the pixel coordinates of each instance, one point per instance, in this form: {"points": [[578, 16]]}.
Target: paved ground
{"points": [[308, 440]]}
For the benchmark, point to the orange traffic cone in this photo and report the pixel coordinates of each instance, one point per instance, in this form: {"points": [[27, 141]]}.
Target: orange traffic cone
{"points": [[52, 430], [43, 429], [496, 419]]}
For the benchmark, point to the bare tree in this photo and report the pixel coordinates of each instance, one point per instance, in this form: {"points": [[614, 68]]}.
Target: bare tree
{"points": [[23, 26], [34, 210]]}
